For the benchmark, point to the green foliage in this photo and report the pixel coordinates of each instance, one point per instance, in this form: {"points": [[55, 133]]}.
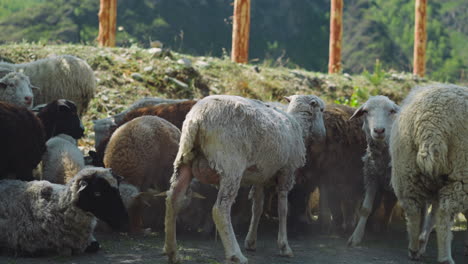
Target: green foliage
{"points": [[378, 76], [357, 98]]}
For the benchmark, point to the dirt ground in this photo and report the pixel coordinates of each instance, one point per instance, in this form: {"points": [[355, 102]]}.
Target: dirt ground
{"points": [[308, 247]]}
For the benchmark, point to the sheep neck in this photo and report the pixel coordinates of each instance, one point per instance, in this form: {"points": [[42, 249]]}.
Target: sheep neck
{"points": [[306, 122]]}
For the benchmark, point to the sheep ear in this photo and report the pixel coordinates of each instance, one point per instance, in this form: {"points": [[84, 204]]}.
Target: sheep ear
{"points": [[83, 185], [62, 105], [35, 87], [358, 113], [287, 98]]}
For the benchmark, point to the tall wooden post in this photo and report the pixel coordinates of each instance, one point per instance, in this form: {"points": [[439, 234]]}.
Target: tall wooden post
{"points": [[107, 23], [420, 37], [336, 32], [241, 31]]}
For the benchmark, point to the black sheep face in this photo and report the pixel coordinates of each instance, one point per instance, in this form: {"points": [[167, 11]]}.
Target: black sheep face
{"points": [[67, 119], [99, 195]]}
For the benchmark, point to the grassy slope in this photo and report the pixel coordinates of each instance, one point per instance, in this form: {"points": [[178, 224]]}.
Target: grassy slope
{"points": [[117, 88]]}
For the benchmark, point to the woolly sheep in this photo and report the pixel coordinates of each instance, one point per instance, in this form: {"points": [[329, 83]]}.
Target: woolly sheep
{"points": [[16, 88], [227, 140], [430, 161], [174, 113], [23, 135], [335, 166], [378, 113], [58, 77], [104, 127], [39, 217], [62, 159]]}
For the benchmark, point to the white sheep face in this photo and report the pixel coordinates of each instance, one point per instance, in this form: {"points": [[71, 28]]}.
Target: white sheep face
{"points": [[311, 107], [378, 113], [16, 88]]}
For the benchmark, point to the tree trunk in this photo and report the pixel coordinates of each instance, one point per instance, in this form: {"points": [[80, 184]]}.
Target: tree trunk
{"points": [[241, 31], [107, 23], [420, 37], [336, 32]]}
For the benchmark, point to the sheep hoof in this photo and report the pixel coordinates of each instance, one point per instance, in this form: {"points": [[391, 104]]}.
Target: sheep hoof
{"points": [[250, 245], [93, 247], [237, 259], [450, 261], [414, 255], [172, 255], [353, 241], [285, 251]]}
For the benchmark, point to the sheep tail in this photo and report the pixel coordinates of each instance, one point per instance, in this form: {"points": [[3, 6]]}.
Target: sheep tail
{"points": [[432, 155], [187, 143]]}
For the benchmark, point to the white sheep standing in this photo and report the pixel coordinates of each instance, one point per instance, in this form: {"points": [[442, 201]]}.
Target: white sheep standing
{"points": [[379, 113], [62, 159], [40, 217], [59, 77], [230, 140], [16, 88], [430, 161]]}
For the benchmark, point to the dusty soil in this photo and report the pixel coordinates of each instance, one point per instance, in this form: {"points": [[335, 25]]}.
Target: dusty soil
{"points": [[308, 247]]}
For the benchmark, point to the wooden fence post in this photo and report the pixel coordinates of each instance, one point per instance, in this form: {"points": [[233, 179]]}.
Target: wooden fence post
{"points": [[420, 37], [336, 32], [107, 23], [241, 31]]}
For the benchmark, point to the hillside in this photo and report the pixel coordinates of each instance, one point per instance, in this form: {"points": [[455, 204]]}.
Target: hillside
{"points": [[128, 74]]}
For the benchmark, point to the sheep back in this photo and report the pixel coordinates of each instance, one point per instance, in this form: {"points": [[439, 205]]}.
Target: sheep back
{"points": [[22, 139], [142, 151]]}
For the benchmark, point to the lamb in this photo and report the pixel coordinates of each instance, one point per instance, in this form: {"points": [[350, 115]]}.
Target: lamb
{"points": [[16, 88], [335, 166], [40, 217], [430, 161], [229, 140], [379, 113], [23, 135], [174, 113], [62, 160], [104, 127]]}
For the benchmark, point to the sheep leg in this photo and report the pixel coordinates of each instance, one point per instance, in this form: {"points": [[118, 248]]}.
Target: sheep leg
{"points": [[389, 201], [257, 196], [228, 188], [285, 184], [466, 234], [414, 212], [180, 183], [429, 221], [324, 209], [365, 211]]}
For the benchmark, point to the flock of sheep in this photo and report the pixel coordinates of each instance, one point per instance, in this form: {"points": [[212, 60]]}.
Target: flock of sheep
{"points": [[213, 153]]}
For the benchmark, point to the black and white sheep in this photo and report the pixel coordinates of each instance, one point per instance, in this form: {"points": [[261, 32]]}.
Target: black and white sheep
{"points": [[62, 159], [40, 217], [24, 134], [58, 77], [16, 88], [430, 161], [378, 113], [229, 140]]}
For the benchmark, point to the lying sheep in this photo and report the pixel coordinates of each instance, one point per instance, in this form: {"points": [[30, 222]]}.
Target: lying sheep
{"points": [[229, 140], [430, 161], [24, 134], [378, 115], [104, 127], [335, 166], [58, 77], [62, 159], [174, 113], [16, 88], [39, 217]]}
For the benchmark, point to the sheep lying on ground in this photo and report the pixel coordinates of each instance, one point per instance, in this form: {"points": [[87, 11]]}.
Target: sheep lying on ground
{"points": [[58, 77], [174, 113], [62, 159], [335, 166], [104, 127], [23, 135], [15, 88], [227, 140], [430, 161], [39, 217], [378, 114]]}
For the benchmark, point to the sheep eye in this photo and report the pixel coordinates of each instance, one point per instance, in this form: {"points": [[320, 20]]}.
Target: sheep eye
{"points": [[97, 194], [393, 111], [321, 110], [364, 112]]}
